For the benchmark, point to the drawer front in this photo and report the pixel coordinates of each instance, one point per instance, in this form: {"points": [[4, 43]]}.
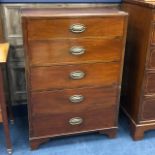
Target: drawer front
{"points": [[97, 117], [151, 62], [71, 76], [150, 83], [60, 51], [75, 100], [41, 28], [153, 34], [148, 109]]}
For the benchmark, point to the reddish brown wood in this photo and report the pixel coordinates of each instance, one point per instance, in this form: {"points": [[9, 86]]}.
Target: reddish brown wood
{"points": [[139, 72], [111, 133], [151, 62], [143, 3], [35, 143], [47, 41], [50, 52], [72, 12], [150, 82], [52, 30], [148, 109], [59, 101], [138, 130], [57, 77]]}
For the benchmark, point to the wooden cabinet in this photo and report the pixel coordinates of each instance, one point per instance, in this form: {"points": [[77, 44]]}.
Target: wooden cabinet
{"points": [[138, 99], [11, 21], [74, 60]]}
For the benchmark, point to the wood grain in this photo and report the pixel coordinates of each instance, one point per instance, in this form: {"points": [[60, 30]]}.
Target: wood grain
{"points": [[96, 50], [58, 77], [139, 80], [59, 100], [148, 109], [48, 40], [56, 28], [96, 117]]}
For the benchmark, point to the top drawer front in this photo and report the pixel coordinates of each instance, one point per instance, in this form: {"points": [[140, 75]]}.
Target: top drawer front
{"points": [[47, 28]]}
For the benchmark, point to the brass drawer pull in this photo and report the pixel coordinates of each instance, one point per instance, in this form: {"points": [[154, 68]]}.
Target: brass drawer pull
{"points": [[77, 28], [77, 75], [77, 50], [76, 121], [76, 98]]}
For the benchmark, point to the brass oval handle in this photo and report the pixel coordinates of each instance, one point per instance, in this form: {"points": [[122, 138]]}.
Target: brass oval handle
{"points": [[76, 121], [77, 75], [77, 28], [76, 98], [77, 50]]}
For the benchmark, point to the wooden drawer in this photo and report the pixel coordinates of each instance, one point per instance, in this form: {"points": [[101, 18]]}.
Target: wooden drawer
{"points": [[65, 101], [148, 109], [93, 118], [71, 76], [153, 34], [62, 51], [150, 83], [151, 61], [49, 28]]}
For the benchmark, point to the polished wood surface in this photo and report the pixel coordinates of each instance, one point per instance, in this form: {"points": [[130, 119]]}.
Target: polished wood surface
{"points": [[96, 74], [57, 79], [92, 97], [151, 62], [93, 119], [139, 74], [50, 52], [148, 109], [72, 12], [57, 28], [150, 83]]}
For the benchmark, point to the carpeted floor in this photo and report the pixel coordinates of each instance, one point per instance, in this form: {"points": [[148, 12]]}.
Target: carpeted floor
{"points": [[89, 144]]}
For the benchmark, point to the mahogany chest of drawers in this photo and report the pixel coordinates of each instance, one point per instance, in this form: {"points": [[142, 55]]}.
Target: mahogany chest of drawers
{"points": [[74, 60], [138, 90]]}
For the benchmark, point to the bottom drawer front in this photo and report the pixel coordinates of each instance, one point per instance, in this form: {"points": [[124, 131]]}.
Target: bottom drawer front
{"points": [[95, 118], [148, 110], [71, 100]]}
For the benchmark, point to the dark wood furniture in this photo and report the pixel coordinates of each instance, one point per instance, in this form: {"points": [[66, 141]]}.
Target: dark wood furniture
{"points": [[138, 99], [11, 20], [74, 60], [3, 107]]}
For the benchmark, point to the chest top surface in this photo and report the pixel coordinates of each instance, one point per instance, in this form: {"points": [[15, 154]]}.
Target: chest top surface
{"points": [[71, 12]]}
